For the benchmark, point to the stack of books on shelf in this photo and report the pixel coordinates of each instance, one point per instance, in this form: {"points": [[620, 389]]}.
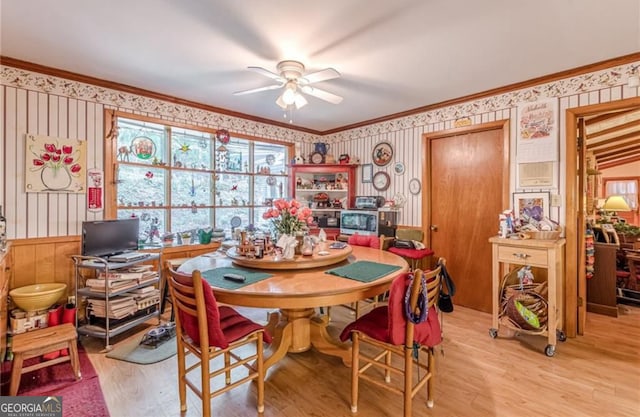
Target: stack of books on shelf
{"points": [[145, 296], [120, 306]]}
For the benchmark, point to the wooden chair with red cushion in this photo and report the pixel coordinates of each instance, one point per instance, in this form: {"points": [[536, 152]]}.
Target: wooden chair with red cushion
{"points": [[414, 256], [396, 344], [208, 331]]}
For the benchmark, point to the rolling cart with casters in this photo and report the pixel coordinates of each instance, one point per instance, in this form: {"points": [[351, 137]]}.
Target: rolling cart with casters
{"points": [[546, 254]]}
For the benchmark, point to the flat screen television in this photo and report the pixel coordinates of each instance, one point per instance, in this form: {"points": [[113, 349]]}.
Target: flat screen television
{"points": [[104, 238]]}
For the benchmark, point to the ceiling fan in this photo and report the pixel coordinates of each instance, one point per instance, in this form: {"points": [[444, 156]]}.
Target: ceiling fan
{"points": [[291, 77]]}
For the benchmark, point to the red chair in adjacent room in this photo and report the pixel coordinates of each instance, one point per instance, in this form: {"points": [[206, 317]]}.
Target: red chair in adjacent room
{"points": [[209, 331], [415, 257], [396, 344]]}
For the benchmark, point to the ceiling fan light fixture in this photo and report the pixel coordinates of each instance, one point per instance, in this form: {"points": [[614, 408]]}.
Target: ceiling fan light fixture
{"points": [[290, 93], [300, 101]]}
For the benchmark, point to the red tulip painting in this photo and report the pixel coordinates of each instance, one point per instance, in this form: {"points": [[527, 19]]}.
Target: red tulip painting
{"points": [[55, 165]]}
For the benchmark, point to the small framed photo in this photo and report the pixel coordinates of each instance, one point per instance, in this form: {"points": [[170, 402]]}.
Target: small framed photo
{"points": [[367, 173], [533, 206]]}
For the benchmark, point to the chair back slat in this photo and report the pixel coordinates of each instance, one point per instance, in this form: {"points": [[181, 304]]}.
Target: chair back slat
{"points": [[189, 301]]}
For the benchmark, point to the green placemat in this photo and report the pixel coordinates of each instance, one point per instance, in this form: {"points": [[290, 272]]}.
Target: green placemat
{"points": [[363, 271], [214, 277]]}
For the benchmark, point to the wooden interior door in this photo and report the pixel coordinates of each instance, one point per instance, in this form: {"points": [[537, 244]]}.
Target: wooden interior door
{"points": [[467, 187]]}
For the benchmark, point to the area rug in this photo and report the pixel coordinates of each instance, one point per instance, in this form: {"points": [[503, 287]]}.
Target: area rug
{"points": [[79, 398], [131, 351]]}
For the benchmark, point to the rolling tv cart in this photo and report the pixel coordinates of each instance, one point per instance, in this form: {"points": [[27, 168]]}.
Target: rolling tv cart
{"points": [[107, 327]]}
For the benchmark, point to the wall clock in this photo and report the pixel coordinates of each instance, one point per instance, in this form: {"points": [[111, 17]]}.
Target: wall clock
{"points": [[415, 186], [316, 158], [381, 181]]}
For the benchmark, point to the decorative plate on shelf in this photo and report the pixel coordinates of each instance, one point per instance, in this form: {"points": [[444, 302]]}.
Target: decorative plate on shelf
{"points": [[381, 181], [382, 154], [414, 186]]}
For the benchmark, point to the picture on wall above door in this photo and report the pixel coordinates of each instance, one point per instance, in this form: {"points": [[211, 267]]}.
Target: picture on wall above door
{"points": [[55, 165]]}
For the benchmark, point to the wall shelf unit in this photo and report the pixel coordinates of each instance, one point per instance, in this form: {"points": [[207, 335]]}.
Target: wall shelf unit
{"points": [[321, 186]]}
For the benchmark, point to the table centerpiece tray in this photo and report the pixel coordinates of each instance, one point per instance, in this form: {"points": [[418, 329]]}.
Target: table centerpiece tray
{"points": [[315, 260]]}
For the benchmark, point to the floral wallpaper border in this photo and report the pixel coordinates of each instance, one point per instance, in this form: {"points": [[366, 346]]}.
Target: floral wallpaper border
{"points": [[34, 81], [584, 83], [565, 87]]}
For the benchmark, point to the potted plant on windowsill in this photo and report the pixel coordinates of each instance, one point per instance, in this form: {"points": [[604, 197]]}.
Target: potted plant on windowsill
{"points": [[186, 238]]}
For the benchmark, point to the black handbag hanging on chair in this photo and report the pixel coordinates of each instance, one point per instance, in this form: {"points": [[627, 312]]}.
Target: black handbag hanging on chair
{"points": [[445, 302]]}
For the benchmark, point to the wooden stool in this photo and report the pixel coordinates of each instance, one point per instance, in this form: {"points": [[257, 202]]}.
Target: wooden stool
{"points": [[38, 342]]}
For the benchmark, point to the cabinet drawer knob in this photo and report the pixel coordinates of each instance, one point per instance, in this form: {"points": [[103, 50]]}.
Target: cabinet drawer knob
{"points": [[521, 255]]}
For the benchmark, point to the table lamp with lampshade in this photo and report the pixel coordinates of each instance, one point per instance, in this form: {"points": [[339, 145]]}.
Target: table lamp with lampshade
{"points": [[611, 206]]}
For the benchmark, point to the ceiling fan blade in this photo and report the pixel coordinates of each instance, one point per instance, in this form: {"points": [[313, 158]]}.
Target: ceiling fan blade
{"points": [[256, 90], [322, 75], [267, 73], [321, 94]]}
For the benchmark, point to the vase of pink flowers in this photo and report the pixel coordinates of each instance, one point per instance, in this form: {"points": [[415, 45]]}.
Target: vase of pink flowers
{"points": [[288, 217]]}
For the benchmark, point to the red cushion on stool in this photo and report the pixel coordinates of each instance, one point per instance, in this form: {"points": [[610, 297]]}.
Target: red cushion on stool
{"points": [[412, 253]]}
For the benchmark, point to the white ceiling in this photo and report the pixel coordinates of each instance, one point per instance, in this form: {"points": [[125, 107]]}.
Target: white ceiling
{"points": [[394, 56]]}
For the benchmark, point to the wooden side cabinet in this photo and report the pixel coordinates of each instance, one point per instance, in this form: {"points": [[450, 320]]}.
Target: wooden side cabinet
{"points": [[547, 254], [5, 272]]}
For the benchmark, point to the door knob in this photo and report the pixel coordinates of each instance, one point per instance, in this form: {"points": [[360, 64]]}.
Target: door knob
{"points": [[434, 228]]}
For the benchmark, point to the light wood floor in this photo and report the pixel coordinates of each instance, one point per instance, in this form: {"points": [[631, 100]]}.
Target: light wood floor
{"points": [[597, 374]]}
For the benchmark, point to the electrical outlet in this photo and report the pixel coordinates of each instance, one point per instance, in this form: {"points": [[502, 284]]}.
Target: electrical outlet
{"points": [[555, 200], [71, 299]]}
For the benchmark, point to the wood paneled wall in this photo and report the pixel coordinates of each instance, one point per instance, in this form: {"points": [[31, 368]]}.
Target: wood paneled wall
{"points": [[41, 260]]}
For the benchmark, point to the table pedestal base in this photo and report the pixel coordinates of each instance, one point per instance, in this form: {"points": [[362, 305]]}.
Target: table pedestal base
{"points": [[297, 330]]}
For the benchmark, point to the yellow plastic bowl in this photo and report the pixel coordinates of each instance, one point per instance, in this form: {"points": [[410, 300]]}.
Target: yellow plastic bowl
{"points": [[37, 296]]}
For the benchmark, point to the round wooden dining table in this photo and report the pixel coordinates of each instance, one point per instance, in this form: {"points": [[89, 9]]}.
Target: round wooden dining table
{"points": [[296, 293]]}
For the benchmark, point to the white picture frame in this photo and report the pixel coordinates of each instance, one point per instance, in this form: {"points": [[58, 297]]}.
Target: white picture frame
{"points": [[533, 205], [367, 173]]}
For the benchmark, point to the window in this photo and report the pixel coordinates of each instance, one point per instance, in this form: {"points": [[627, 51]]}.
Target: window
{"points": [[178, 179], [627, 188]]}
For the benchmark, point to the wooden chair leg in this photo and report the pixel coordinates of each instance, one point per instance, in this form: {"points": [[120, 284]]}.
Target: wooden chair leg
{"points": [[408, 381], [387, 371], [260, 365], [206, 385], [182, 385], [430, 383], [355, 371], [227, 371]]}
